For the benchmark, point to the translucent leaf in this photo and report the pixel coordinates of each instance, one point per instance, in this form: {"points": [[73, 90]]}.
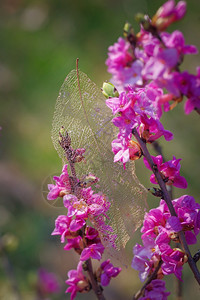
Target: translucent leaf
{"points": [[88, 122]]}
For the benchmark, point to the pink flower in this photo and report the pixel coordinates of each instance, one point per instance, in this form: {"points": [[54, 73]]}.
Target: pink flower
{"points": [[74, 243], [66, 227], [176, 40], [173, 260], [121, 150], [141, 260], [62, 186], [155, 291], [76, 207], [108, 271], [62, 225], [119, 56], [77, 281], [91, 233], [152, 129], [47, 282], [129, 76], [119, 61], [119, 103], [170, 171], [94, 251], [174, 224], [161, 62], [152, 220]]}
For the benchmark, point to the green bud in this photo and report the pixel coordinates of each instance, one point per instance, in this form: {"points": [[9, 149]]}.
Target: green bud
{"points": [[62, 130], [139, 17], [144, 20], [109, 90], [156, 192], [61, 133], [128, 29]]}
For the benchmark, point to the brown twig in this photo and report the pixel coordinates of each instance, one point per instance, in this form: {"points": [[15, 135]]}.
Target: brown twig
{"points": [[95, 286], [167, 199], [158, 149]]}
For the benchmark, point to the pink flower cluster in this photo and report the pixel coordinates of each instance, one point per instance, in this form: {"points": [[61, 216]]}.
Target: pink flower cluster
{"points": [[73, 228], [144, 66], [154, 56], [145, 69], [160, 230]]}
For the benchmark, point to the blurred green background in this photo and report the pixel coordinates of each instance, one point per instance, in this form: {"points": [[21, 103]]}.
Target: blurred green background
{"points": [[40, 41]]}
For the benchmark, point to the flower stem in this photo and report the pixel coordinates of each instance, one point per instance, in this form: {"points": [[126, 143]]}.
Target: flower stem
{"points": [[168, 201], [97, 288]]}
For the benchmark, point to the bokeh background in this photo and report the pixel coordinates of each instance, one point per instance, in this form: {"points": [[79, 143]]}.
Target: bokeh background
{"points": [[40, 41]]}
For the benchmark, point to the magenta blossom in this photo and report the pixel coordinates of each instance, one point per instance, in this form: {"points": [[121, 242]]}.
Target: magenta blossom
{"points": [[152, 220], [155, 291], [94, 251], [77, 281], [120, 148], [62, 186], [176, 40], [91, 233], [129, 76], [173, 260], [108, 271], [119, 55], [170, 171], [74, 243], [66, 227], [141, 260], [47, 282], [152, 129], [76, 207], [161, 62]]}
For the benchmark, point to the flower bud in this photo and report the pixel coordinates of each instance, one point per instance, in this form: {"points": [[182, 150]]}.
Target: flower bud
{"points": [[83, 286], [144, 20], [128, 29], [168, 13], [109, 90], [135, 151], [156, 192], [88, 180]]}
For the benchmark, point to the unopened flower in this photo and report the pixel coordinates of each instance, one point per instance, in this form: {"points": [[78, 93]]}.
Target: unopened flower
{"points": [[169, 13]]}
